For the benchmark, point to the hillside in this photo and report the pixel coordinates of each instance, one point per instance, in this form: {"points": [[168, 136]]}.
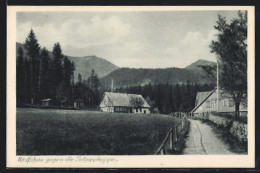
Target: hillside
{"points": [[195, 66], [132, 77], [84, 65]]}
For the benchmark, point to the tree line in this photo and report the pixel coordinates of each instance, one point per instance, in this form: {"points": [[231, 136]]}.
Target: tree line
{"points": [[44, 75], [168, 97]]}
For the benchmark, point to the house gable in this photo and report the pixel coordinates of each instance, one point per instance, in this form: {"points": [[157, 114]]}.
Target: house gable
{"points": [[209, 104], [106, 102]]}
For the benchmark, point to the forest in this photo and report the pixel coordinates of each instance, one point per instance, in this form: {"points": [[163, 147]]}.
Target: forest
{"points": [[41, 75], [146, 76], [169, 97], [44, 75]]}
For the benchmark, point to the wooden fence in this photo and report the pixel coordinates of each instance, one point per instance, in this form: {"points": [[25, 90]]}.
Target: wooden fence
{"points": [[181, 114], [172, 136]]}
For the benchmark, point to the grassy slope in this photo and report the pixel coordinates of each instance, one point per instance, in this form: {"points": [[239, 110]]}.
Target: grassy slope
{"points": [[80, 132]]}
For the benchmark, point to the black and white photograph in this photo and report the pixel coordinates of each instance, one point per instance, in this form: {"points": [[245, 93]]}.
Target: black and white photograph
{"points": [[93, 86]]}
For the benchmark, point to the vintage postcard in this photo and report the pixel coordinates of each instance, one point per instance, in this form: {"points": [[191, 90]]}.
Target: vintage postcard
{"points": [[130, 87]]}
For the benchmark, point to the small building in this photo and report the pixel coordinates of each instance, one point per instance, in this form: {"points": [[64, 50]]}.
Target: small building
{"points": [[121, 102], [78, 103], [46, 102], [207, 102]]}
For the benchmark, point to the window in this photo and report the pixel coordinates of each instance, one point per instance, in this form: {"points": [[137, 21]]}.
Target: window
{"points": [[225, 102], [231, 103], [207, 104], [213, 103]]}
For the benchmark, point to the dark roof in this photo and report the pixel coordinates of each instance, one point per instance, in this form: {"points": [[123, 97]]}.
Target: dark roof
{"points": [[122, 99], [201, 97]]}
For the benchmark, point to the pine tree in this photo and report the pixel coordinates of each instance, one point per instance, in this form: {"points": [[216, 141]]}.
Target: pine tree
{"points": [[57, 63], [68, 70], [45, 74], [27, 80], [56, 71], [178, 97], [93, 85], [79, 78], [32, 47], [20, 77]]}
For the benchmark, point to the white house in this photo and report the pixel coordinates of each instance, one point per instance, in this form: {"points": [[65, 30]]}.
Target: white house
{"points": [[207, 102], [121, 102]]}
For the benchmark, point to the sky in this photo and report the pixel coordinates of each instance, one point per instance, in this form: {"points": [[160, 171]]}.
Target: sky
{"points": [[137, 39]]}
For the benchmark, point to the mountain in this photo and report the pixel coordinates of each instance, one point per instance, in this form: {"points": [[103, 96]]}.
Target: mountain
{"points": [[195, 66], [84, 65], [132, 77]]}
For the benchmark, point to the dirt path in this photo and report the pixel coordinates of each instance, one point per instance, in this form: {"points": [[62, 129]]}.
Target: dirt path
{"points": [[203, 141]]}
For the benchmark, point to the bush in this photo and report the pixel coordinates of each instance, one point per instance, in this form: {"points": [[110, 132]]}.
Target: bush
{"points": [[232, 130]]}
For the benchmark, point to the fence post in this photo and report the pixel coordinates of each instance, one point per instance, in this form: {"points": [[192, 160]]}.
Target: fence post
{"points": [[171, 139], [176, 134], [162, 151]]}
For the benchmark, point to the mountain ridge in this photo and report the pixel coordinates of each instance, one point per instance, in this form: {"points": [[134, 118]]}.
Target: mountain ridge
{"points": [[124, 77], [107, 71], [85, 64]]}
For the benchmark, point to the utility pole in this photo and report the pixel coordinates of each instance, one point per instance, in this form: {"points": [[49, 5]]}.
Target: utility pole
{"points": [[112, 85]]}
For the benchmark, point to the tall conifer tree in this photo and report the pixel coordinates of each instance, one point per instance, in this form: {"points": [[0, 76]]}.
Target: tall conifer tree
{"points": [[45, 74], [20, 77], [32, 47]]}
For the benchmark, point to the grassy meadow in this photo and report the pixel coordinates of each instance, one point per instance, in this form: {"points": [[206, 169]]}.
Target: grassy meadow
{"points": [[82, 132]]}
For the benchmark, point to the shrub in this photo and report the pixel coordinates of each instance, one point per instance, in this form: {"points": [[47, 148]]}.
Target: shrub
{"points": [[233, 130]]}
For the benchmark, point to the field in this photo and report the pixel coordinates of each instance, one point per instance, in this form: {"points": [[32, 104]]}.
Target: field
{"points": [[81, 132]]}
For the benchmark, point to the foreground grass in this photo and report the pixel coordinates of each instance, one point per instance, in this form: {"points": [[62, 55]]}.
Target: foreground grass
{"points": [[81, 132]]}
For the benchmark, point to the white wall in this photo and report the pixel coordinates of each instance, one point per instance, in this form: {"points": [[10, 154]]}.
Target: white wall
{"points": [[142, 111], [111, 109], [107, 109]]}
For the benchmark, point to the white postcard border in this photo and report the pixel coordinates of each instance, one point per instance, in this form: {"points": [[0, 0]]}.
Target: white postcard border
{"points": [[150, 161]]}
